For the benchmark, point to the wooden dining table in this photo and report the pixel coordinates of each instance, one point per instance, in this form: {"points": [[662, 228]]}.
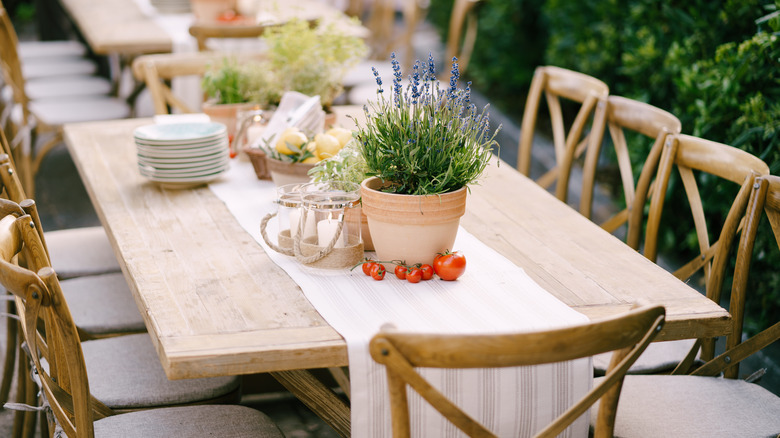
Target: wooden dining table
{"points": [[128, 28], [216, 304]]}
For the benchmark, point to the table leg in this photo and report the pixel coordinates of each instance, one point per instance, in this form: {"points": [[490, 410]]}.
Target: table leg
{"points": [[317, 397]]}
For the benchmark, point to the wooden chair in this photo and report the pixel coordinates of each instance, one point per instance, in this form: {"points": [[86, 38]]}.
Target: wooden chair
{"points": [[730, 164], [623, 114], [53, 339], [557, 83], [627, 335], [103, 303], [691, 154], [38, 117], [156, 72], [701, 404]]}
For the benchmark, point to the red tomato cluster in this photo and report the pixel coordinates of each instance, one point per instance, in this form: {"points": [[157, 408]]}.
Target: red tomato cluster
{"points": [[448, 266]]}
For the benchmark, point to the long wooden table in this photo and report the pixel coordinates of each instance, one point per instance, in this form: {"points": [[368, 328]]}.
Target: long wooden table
{"points": [[215, 304]]}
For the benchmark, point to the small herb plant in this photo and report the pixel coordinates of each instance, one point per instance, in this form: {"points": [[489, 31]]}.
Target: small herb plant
{"points": [[348, 165], [425, 139], [226, 84], [308, 59]]}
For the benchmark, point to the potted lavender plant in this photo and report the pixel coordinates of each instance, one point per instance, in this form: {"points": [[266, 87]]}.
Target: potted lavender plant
{"points": [[423, 145]]}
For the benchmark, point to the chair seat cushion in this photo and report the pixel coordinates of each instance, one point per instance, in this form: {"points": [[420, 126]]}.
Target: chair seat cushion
{"points": [[43, 67], [103, 304], [125, 373], [228, 421], [657, 358], [694, 406], [29, 50], [81, 251], [83, 109], [65, 87]]}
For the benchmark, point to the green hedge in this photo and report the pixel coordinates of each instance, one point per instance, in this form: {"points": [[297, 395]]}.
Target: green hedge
{"points": [[707, 62]]}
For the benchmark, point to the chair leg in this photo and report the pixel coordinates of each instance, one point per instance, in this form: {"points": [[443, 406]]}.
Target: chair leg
{"points": [[31, 399], [21, 387], [10, 353]]}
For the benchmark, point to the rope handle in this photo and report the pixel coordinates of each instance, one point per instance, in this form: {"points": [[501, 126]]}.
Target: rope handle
{"points": [[263, 225], [321, 253]]}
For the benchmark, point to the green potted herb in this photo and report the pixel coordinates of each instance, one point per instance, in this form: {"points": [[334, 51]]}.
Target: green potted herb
{"points": [[311, 60], [423, 144]]}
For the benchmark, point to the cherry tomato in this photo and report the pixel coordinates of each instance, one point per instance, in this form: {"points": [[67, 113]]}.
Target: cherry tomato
{"points": [[449, 265], [377, 271], [400, 272], [367, 265], [414, 275], [427, 271]]}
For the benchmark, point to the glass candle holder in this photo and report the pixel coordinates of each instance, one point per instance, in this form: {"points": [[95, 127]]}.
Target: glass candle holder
{"points": [[332, 237]]}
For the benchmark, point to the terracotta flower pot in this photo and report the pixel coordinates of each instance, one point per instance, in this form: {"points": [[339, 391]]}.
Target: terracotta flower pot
{"points": [[226, 113], [409, 227]]}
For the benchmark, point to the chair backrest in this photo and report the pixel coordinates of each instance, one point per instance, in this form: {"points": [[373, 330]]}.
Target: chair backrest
{"points": [[47, 325], [628, 335], [689, 155], [765, 198], [204, 31], [462, 33], [623, 114], [11, 65], [557, 83], [157, 70]]}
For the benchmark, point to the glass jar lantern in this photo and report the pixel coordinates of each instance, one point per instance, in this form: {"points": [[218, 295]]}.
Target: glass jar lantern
{"points": [[331, 237]]}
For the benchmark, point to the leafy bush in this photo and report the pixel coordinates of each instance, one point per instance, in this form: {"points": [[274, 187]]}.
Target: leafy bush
{"points": [[706, 63]]}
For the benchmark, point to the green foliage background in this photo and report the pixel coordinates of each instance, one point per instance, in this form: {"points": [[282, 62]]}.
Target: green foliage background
{"points": [[708, 62]]}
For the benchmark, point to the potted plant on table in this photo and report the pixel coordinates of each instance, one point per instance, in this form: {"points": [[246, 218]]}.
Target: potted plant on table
{"points": [[311, 60], [423, 144]]}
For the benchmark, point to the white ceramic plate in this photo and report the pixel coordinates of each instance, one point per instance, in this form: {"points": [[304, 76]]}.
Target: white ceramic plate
{"points": [[215, 150], [177, 173], [179, 132], [182, 162], [183, 145], [188, 179]]}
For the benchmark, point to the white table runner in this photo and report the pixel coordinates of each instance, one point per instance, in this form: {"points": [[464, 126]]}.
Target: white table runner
{"points": [[493, 295]]}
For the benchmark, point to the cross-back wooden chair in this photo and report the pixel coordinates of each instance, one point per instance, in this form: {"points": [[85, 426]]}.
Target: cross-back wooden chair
{"points": [[765, 198], [37, 118], [622, 115], [156, 72], [628, 335], [706, 403], [691, 156], [102, 298], [556, 83], [62, 365]]}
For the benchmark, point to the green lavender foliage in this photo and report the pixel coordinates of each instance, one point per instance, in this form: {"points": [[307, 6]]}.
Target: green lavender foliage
{"points": [[424, 138]]}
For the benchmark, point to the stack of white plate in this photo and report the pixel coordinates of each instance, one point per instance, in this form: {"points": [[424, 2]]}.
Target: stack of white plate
{"points": [[180, 155]]}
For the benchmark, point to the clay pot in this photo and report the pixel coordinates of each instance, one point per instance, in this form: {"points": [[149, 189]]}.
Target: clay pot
{"points": [[284, 172], [226, 113], [411, 228]]}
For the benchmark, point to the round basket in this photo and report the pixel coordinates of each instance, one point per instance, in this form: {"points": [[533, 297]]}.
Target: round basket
{"points": [[257, 157]]}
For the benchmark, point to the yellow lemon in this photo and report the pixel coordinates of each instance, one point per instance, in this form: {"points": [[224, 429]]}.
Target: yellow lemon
{"points": [[342, 134], [327, 145], [290, 138], [311, 160]]}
